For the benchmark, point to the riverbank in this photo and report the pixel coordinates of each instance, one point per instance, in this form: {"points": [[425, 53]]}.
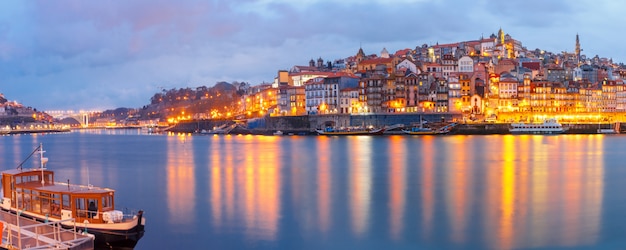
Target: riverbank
{"points": [[33, 131], [306, 125]]}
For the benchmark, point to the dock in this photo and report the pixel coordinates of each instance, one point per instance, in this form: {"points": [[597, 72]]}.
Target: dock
{"points": [[22, 233]]}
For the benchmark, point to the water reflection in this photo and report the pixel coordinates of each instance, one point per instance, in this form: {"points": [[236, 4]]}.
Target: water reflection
{"points": [[450, 192], [459, 189], [180, 181], [397, 189], [360, 183], [245, 184], [324, 184], [427, 182]]}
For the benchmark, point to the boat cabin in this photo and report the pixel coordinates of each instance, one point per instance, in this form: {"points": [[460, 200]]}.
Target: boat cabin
{"points": [[34, 191]]}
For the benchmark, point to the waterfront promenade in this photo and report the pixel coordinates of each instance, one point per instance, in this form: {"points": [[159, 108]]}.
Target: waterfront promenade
{"points": [[305, 125]]}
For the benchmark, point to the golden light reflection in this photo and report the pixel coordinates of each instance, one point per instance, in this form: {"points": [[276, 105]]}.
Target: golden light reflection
{"points": [[180, 180], [246, 184], [428, 184], [397, 176], [508, 186], [324, 183], [459, 187], [360, 183], [548, 191], [539, 236]]}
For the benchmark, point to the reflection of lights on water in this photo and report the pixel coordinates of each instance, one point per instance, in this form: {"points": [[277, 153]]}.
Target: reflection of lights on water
{"points": [[180, 181], [245, 185], [324, 184], [360, 183], [397, 190]]}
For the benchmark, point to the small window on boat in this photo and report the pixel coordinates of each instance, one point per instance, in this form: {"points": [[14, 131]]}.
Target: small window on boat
{"points": [[92, 208], [81, 208], [45, 203], [55, 205], [66, 201], [106, 202]]}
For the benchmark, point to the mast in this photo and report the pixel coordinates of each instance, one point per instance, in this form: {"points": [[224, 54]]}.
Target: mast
{"points": [[43, 161]]}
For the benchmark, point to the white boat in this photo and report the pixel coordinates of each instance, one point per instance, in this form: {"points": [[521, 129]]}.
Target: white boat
{"points": [[606, 131], [278, 132], [613, 129], [548, 126]]}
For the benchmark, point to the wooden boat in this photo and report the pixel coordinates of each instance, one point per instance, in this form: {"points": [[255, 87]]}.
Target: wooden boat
{"points": [[351, 131], [549, 126], [34, 194], [421, 131]]}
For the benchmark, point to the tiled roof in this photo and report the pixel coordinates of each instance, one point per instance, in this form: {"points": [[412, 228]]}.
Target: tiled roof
{"points": [[377, 61], [320, 73], [532, 65]]}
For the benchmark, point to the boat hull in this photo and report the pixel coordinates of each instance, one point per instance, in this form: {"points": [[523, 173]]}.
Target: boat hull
{"points": [[117, 239], [359, 132], [104, 238], [422, 132], [536, 132]]}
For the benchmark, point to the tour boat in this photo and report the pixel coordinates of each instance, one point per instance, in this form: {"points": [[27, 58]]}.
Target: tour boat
{"points": [[420, 131], [33, 193], [351, 131], [549, 126]]}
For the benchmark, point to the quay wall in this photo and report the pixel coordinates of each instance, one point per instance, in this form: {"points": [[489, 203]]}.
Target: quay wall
{"points": [[307, 124]]}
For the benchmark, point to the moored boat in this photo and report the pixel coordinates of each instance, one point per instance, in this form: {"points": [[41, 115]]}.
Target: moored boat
{"points": [[351, 131], [548, 126], [420, 131], [33, 193]]}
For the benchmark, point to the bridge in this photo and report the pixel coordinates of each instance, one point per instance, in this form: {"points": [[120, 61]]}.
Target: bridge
{"points": [[80, 116]]}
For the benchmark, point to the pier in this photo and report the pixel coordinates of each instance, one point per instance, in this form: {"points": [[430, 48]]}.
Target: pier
{"points": [[22, 233]]}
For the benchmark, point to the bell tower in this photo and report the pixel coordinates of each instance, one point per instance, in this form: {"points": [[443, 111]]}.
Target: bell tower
{"points": [[577, 51]]}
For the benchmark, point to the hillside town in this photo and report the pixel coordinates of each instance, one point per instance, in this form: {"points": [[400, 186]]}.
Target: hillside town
{"points": [[493, 78]]}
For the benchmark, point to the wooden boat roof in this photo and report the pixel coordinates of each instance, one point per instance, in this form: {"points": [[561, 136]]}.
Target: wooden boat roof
{"points": [[54, 187], [64, 188]]}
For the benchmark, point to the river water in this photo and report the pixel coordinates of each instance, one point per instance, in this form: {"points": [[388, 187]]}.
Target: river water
{"points": [[360, 192]]}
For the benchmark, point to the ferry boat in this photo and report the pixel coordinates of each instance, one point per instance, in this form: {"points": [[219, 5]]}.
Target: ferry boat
{"points": [[549, 126], [351, 131], [33, 193]]}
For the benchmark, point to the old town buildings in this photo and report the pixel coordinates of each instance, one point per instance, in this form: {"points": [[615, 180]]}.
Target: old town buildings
{"points": [[494, 76]]}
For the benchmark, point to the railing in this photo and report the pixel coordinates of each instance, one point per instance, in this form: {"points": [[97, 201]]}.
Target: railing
{"points": [[36, 235]]}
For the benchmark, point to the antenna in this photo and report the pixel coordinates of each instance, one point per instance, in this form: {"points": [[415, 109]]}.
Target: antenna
{"points": [[43, 161]]}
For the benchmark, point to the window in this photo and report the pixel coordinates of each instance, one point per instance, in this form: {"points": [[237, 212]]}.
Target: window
{"points": [[66, 201], [92, 208], [81, 209]]}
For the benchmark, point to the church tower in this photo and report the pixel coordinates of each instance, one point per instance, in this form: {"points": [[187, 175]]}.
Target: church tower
{"points": [[501, 36], [360, 56], [577, 51]]}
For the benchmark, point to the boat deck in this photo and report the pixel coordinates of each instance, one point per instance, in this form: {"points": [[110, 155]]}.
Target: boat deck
{"points": [[22, 233]]}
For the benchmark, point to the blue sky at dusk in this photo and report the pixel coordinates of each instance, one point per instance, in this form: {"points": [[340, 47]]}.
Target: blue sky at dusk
{"points": [[67, 54]]}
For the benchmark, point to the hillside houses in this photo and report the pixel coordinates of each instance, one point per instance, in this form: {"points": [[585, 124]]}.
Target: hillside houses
{"points": [[488, 76]]}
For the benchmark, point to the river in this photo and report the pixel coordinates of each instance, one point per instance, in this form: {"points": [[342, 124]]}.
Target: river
{"points": [[360, 192]]}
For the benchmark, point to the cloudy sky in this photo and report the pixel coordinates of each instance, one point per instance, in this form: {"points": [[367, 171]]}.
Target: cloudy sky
{"points": [[66, 54]]}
